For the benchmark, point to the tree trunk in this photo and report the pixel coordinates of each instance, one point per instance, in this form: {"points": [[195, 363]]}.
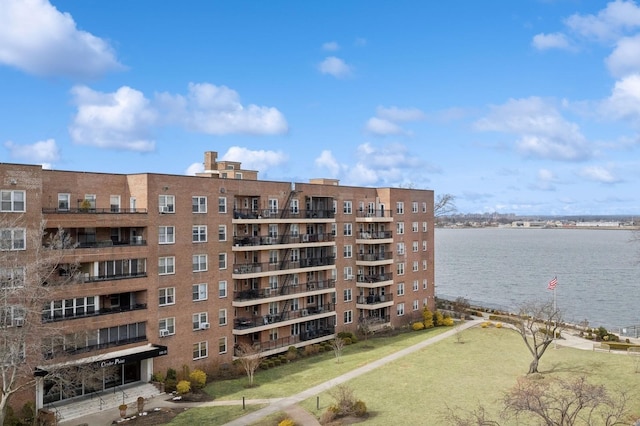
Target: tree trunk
{"points": [[533, 367], [3, 408]]}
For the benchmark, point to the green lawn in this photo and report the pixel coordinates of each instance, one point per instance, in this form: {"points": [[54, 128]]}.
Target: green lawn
{"points": [[418, 388]]}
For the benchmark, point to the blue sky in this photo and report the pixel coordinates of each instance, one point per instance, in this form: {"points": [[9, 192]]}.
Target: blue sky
{"points": [[526, 107]]}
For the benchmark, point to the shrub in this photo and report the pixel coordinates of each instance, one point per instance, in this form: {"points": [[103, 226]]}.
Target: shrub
{"points": [[292, 353], [417, 326], [198, 378], [276, 361], [183, 386], [311, 350], [184, 373], [439, 318], [171, 374], [427, 317], [157, 377], [447, 321], [170, 385], [359, 408], [498, 325], [287, 422], [347, 340], [320, 348], [327, 417], [484, 324], [348, 334]]}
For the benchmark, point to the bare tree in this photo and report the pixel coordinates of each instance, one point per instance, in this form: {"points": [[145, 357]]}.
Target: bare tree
{"points": [[444, 205], [365, 326], [250, 358], [538, 323], [337, 345], [28, 261]]}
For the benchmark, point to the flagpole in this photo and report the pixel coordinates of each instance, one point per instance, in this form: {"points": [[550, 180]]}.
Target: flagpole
{"points": [[555, 312]]}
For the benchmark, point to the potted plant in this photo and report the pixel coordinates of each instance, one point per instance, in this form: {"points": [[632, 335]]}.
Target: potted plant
{"points": [[123, 410]]}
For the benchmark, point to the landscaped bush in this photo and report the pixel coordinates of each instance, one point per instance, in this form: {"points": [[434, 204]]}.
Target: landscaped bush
{"points": [[183, 387], [438, 318], [347, 341], [287, 422], [498, 325], [427, 318], [360, 408], [416, 326], [276, 361], [292, 353], [447, 321], [170, 385], [198, 379], [171, 374], [350, 335], [264, 365]]}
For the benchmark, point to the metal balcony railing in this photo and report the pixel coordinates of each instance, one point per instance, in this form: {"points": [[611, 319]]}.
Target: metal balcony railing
{"points": [[252, 268], [290, 289]]}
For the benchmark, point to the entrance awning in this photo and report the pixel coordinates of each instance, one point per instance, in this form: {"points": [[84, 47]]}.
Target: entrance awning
{"points": [[108, 359]]}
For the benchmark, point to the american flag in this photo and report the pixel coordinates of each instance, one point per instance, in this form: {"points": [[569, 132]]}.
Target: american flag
{"points": [[553, 283]]}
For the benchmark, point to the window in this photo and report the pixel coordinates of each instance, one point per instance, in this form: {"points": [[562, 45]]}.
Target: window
{"points": [[415, 266], [424, 207], [199, 233], [273, 334], [295, 255], [334, 229], [414, 227], [348, 317], [199, 204], [166, 235], [424, 226], [200, 321], [167, 203], [63, 202], [295, 206], [167, 296], [346, 207], [199, 292], [424, 264], [222, 232], [70, 308], [424, 283], [273, 257], [400, 228], [335, 206], [11, 277], [238, 175], [414, 246], [222, 260], [166, 265], [222, 289], [416, 305], [347, 251], [114, 203], [222, 317], [12, 239], [400, 268], [416, 285], [200, 350], [400, 248], [89, 201], [424, 246], [222, 204], [12, 316], [400, 309], [199, 262], [222, 345], [348, 229], [12, 201], [400, 289], [273, 206], [414, 207], [348, 273], [347, 295], [168, 324], [400, 207]]}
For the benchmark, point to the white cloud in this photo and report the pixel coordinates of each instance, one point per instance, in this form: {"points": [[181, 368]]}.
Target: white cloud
{"points": [[624, 101], [335, 67], [542, 131], [43, 152], [331, 46], [194, 168], [217, 110], [37, 38], [619, 16], [121, 119], [260, 160], [380, 126], [625, 58], [598, 174], [386, 119], [550, 41], [326, 160], [545, 180]]}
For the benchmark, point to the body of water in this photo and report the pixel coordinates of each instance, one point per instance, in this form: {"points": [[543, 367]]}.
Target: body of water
{"points": [[598, 270]]}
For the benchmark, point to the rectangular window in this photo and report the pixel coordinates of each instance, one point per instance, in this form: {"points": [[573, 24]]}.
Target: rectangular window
{"points": [[424, 207], [89, 202], [347, 251], [424, 226], [414, 246], [347, 207], [424, 264], [199, 233], [347, 295], [414, 207], [167, 296], [13, 239], [222, 345], [166, 235], [222, 317], [416, 305], [168, 324], [222, 204], [222, 289], [400, 248], [222, 260], [199, 204], [424, 246], [400, 269], [400, 228], [348, 229], [222, 232], [11, 277], [166, 203], [199, 262], [400, 289], [273, 257], [114, 203], [416, 285], [348, 317], [424, 283], [63, 202], [199, 292], [347, 273], [200, 321], [200, 350], [166, 265], [414, 227], [400, 309], [273, 334], [415, 267], [400, 207], [12, 201], [295, 206]]}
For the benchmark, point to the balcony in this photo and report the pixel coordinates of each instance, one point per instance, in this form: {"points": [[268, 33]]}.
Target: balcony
{"points": [[283, 291], [375, 299], [255, 268], [368, 236], [81, 210], [377, 278], [265, 240], [244, 323], [109, 277], [48, 317], [287, 215], [111, 243], [374, 216], [285, 342]]}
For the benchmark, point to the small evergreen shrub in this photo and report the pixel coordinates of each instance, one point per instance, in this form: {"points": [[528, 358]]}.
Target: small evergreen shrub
{"points": [[447, 321], [438, 318], [287, 422], [350, 335], [416, 326], [359, 408], [198, 379], [347, 341], [183, 387], [170, 385], [498, 325]]}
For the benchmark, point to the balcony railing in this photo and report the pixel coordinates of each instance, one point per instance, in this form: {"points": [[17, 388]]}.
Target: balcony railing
{"points": [[375, 278], [375, 235], [377, 213], [47, 317], [89, 348], [95, 278], [110, 243], [375, 299], [109, 210], [242, 323], [283, 214], [291, 289], [285, 342], [373, 257], [369, 321], [282, 239], [252, 268]]}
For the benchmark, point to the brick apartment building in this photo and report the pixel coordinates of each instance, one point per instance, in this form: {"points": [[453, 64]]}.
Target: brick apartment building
{"points": [[176, 270]]}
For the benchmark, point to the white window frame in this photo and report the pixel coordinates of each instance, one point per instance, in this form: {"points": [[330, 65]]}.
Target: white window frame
{"points": [[199, 234], [199, 204], [168, 294], [168, 324], [12, 277], [400, 268], [62, 199], [414, 226], [199, 292], [347, 295], [424, 245], [222, 260], [222, 289], [416, 305], [347, 229], [166, 235], [167, 265], [114, 203], [400, 309], [198, 319], [347, 207], [223, 318], [414, 207], [200, 350], [400, 289], [400, 207], [222, 232], [416, 285], [424, 207], [348, 251], [222, 205], [13, 239], [166, 203], [9, 203], [222, 345], [348, 317], [400, 248], [425, 283], [400, 228], [415, 266], [199, 263], [414, 246]]}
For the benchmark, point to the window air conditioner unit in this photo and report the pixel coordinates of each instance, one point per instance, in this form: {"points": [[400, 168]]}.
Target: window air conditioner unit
{"points": [[305, 238], [204, 325], [164, 209], [164, 333], [18, 322], [349, 277], [305, 312]]}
